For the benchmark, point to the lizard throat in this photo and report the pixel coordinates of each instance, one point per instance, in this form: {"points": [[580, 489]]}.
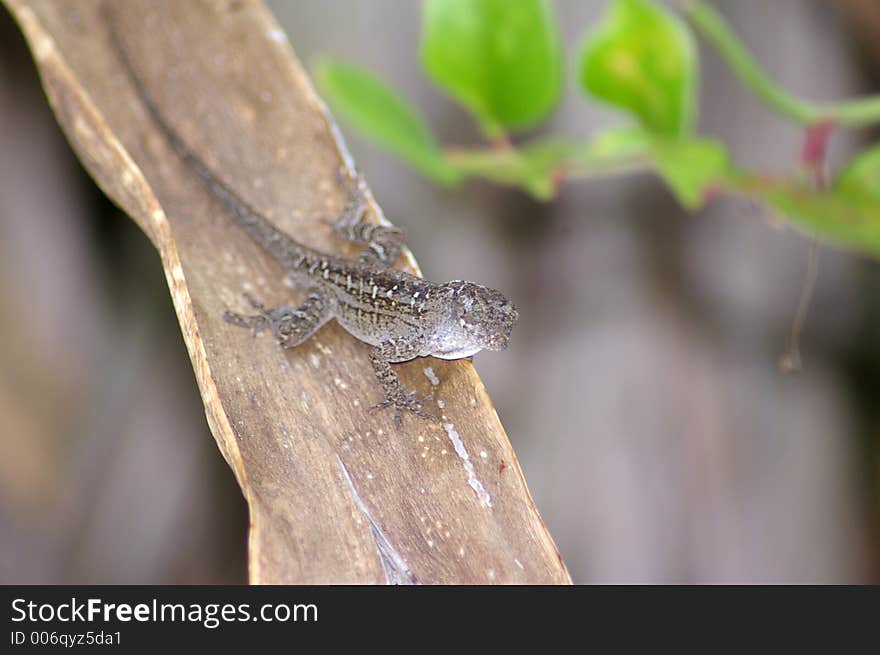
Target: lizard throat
{"points": [[456, 353]]}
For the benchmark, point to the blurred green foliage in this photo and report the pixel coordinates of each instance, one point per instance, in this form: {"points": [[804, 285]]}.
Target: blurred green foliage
{"points": [[643, 60], [693, 168], [502, 61], [376, 110], [862, 176]]}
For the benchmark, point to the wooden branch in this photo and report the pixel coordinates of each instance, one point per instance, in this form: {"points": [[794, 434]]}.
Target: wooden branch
{"points": [[336, 494]]}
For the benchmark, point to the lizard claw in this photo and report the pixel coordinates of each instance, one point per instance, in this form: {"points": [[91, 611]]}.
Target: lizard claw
{"points": [[256, 323], [406, 402], [253, 302]]}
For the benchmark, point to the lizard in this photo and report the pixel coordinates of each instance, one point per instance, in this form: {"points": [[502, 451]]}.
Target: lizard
{"points": [[401, 316]]}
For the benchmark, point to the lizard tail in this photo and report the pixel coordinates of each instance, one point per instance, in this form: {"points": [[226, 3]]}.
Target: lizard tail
{"points": [[276, 242]]}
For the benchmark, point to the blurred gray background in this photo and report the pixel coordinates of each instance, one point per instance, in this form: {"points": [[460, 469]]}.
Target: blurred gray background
{"points": [[641, 391]]}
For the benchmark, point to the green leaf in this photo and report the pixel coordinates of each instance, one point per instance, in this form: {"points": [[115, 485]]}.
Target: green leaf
{"points": [[379, 114], [642, 59], [691, 168], [863, 174], [501, 59], [849, 218], [848, 214]]}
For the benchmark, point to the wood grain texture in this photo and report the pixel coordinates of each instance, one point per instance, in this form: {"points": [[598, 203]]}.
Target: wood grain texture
{"points": [[336, 494]]}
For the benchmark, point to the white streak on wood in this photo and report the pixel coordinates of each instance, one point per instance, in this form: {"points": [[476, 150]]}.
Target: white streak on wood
{"points": [[462, 453], [395, 567], [429, 373]]}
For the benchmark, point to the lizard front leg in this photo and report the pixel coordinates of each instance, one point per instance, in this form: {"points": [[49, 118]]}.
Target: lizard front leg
{"points": [[396, 350], [291, 326], [384, 242]]}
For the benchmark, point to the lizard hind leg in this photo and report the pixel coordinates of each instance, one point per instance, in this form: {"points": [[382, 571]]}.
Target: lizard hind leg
{"points": [[384, 242], [290, 325]]}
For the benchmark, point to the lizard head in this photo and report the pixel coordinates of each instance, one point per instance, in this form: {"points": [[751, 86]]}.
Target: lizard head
{"points": [[480, 319]]}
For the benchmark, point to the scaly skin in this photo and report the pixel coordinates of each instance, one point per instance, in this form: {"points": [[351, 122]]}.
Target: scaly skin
{"points": [[400, 315]]}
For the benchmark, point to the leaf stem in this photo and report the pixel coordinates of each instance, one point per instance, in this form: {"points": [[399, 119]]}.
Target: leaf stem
{"points": [[541, 166], [715, 30]]}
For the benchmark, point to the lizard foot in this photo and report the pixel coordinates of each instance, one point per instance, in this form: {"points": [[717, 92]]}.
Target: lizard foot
{"points": [[406, 402], [257, 323]]}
